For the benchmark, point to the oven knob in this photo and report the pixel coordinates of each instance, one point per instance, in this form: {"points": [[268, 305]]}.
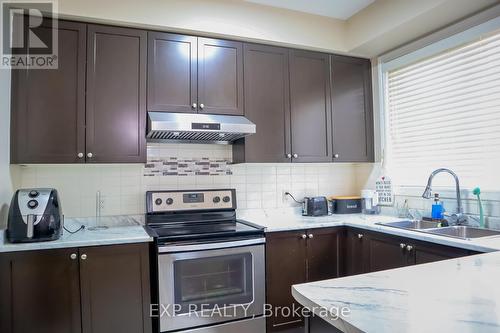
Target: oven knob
{"points": [[33, 194], [216, 199], [226, 199], [169, 201], [32, 204], [158, 201]]}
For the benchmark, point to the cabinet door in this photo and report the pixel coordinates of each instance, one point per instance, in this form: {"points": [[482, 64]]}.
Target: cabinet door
{"points": [[220, 76], [354, 244], [383, 252], [266, 104], [172, 72], [115, 289], [310, 105], [352, 110], [424, 252], [39, 292], [285, 266], [48, 105], [116, 95], [323, 248]]}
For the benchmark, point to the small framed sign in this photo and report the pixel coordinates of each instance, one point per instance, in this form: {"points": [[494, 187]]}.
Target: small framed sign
{"points": [[383, 186]]}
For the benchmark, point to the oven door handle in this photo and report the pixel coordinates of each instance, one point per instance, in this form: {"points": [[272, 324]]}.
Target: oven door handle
{"points": [[209, 246]]}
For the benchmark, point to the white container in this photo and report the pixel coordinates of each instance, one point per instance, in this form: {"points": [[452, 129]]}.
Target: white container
{"points": [[369, 202]]}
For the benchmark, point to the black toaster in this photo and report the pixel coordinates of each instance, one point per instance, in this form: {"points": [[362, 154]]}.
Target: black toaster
{"points": [[315, 206], [35, 215]]}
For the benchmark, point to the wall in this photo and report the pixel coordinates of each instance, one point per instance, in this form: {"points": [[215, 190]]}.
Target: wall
{"points": [[123, 186], [225, 18], [387, 24]]}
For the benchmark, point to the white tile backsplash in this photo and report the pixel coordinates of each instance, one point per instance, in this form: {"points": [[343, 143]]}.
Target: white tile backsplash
{"points": [[123, 186]]}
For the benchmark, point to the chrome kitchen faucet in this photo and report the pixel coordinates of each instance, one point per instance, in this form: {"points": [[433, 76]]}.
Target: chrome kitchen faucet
{"points": [[459, 217]]}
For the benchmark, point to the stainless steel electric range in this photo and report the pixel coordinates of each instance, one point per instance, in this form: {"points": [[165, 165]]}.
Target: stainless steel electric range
{"points": [[211, 266]]}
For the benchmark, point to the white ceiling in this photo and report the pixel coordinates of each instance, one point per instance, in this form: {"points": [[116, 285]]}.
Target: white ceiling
{"points": [[339, 9]]}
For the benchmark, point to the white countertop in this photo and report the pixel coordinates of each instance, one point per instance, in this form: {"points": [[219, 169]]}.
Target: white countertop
{"points": [[107, 231], [456, 295], [290, 219]]}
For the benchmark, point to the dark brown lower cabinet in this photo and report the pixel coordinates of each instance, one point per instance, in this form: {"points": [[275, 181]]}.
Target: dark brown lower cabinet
{"points": [[298, 257], [367, 252], [294, 257], [381, 252], [285, 266], [89, 290], [39, 292], [115, 289]]}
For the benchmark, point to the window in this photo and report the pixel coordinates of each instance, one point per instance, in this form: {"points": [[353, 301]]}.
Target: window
{"points": [[444, 111]]}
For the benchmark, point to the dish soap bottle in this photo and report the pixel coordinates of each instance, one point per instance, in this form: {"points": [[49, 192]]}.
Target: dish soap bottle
{"points": [[437, 208]]}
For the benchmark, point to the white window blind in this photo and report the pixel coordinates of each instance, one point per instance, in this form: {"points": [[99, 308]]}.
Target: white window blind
{"points": [[444, 111]]}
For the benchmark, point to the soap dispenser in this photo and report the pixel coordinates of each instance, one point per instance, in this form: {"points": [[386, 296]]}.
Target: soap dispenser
{"points": [[437, 212]]}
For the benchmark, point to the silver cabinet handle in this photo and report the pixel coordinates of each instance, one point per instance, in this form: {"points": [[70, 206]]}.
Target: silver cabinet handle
{"points": [[83, 256], [288, 155], [194, 105], [202, 106], [360, 236], [90, 155], [402, 245], [295, 155], [409, 247], [310, 236], [336, 156], [80, 155], [72, 256], [304, 236]]}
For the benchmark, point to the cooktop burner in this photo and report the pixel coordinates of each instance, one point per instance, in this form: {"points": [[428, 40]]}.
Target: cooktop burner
{"points": [[196, 215]]}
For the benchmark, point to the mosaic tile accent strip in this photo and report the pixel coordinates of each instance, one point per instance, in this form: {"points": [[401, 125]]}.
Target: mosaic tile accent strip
{"points": [[173, 166]]}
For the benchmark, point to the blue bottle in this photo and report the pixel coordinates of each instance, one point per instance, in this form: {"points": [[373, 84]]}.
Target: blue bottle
{"points": [[437, 208]]}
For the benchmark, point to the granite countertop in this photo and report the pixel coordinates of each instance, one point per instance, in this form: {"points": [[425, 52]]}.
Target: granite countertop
{"points": [[275, 220], [456, 295], [102, 231]]}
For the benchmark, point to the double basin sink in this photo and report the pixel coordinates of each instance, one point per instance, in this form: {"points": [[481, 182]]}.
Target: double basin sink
{"points": [[431, 227]]}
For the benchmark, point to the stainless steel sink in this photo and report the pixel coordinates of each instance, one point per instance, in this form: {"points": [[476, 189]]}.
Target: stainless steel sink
{"points": [[463, 232], [416, 225]]}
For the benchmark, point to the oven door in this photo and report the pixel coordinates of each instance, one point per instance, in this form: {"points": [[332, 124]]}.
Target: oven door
{"points": [[204, 284]]}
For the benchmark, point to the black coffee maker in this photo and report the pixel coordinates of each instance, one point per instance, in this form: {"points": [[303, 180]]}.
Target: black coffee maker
{"points": [[35, 215]]}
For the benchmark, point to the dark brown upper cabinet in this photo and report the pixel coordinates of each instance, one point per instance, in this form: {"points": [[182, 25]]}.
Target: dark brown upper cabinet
{"points": [[116, 95], [352, 110], [76, 290], [310, 106], [267, 105], [48, 106], [194, 74], [172, 72], [220, 76]]}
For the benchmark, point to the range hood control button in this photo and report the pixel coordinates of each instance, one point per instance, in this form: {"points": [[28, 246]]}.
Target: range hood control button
{"points": [[216, 199], [226, 199], [158, 201], [169, 201]]}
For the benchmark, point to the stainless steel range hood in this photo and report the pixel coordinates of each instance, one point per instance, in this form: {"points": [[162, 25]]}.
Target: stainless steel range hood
{"points": [[197, 128]]}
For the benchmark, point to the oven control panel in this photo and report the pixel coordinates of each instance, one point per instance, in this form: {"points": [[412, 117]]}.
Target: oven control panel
{"points": [[168, 201]]}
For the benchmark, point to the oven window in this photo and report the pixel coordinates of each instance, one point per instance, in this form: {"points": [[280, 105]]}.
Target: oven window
{"points": [[213, 281]]}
